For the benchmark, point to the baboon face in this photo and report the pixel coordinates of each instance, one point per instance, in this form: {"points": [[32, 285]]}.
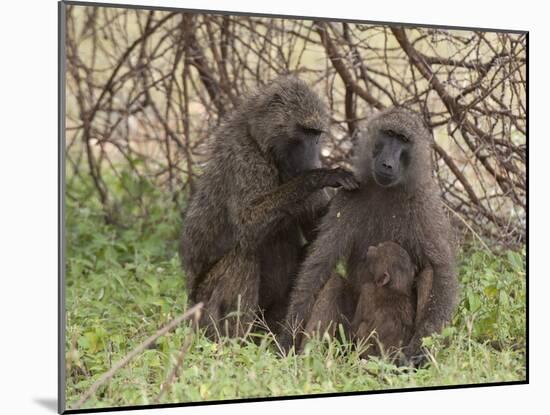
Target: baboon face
{"points": [[395, 150], [391, 157], [297, 151], [287, 121], [390, 267]]}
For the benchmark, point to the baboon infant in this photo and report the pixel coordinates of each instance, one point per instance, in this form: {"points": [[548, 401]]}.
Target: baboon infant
{"points": [[388, 305], [386, 298]]}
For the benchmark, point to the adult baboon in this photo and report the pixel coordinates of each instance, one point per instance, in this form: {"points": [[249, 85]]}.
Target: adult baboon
{"points": [[398, 201], [257, 200]]}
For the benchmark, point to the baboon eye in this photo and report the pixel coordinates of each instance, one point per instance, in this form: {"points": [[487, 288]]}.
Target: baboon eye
{"points": [[394, 134], [310, 131]]}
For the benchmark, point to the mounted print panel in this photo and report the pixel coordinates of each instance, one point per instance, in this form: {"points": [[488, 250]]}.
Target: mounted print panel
{"points": [[263, 207]]}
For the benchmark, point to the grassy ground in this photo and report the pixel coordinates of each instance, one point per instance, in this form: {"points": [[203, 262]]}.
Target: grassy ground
{"points": [[125, 282]]}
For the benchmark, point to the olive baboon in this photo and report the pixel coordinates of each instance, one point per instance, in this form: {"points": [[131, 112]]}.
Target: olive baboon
{"points": [[398, 201], [259, 197], [388, 302]]}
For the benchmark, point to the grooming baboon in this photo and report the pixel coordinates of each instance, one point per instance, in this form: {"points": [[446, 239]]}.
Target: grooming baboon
{"points": [[257, 203], [398, 201], [388, 303]]}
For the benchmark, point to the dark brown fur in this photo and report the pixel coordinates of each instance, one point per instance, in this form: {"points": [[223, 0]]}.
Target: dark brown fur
{"points": [[409, 213], [257, 204]]}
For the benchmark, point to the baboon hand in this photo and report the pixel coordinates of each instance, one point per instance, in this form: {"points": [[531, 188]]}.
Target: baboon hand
{"points": [[340, 177]]}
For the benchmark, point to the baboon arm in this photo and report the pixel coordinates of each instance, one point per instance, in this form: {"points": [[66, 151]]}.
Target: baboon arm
{"points": [[443, 299], [316, 207], [424, 282], [259, 211], [325, 252], [326, 310]]}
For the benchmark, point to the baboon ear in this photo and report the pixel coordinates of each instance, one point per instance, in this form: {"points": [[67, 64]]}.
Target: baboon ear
{"points": [[383, 279]]}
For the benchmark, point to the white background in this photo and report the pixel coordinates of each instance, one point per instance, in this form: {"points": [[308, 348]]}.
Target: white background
{"points": [[28, 216]]}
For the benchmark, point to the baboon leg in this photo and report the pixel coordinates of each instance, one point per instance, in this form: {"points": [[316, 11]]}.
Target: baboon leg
{"points": [[233, 301]]}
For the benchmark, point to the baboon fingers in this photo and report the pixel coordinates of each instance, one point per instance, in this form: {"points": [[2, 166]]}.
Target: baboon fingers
{"points": [[340, 177], [350, 183]]}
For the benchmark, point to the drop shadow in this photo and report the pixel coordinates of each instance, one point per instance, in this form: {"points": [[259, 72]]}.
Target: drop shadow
{"points": [[48, 403]]}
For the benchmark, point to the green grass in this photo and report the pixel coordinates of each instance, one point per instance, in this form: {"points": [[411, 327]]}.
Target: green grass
{"points": [[124, 282]]}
